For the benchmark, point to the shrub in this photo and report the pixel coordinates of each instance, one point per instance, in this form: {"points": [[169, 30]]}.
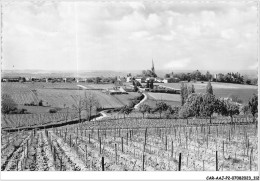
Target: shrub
{"points": [[52, 110], [8, 104], [40, 103]]}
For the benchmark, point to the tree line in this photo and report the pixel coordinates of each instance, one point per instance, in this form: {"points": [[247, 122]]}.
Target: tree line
{"points": [[229, 77]]}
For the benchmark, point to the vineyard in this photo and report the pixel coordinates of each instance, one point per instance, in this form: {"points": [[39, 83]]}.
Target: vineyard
{"points": [[148, 145]]}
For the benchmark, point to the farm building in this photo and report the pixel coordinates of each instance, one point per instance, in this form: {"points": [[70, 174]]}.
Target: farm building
{"points": [[129, 79], [116, 90], [12, 79], [140, 79], [171, 80]]}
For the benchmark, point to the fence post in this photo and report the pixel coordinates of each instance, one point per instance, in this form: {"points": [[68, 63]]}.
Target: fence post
{"points": [[122, 143], [143, 161], [216, 160], [100, 145], [86, 152], [116, 152], [103, 164], [179, 161]]}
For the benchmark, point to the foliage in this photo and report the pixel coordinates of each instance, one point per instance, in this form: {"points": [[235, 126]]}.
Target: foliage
{"points": [[208, 105], [191, 89], [90, 102], [8, 104], [184, 93], [253, 105], [235, 99], [209, 88], [245, 109], [40, 103], [126, 110], [52, 110], [160, 107], [227, 108], [172, 111], [144, 108], [148, 73]]}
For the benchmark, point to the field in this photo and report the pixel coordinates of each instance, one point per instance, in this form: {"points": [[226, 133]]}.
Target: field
{"points": [[170, 99], [134, 145], [61, 95]]}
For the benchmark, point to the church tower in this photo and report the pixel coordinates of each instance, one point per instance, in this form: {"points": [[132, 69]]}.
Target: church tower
{"points": [[153, 70]]}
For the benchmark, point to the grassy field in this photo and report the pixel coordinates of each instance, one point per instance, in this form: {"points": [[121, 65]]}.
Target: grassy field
{"points": [[61, 94]]}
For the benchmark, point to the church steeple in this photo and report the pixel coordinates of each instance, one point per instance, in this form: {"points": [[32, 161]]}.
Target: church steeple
{"points": [[153, 70]]}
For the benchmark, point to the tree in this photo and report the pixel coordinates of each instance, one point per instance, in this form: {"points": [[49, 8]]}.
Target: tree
{"points": [[184, 93], [191, 89], [209, 88], [144, 108], [160, 107], [78, 106], [90, 103], [126, 110], [228, 108], [245, 109], [8, 104], [208, 105], [253, 105], [208, 76], [172, 110]]}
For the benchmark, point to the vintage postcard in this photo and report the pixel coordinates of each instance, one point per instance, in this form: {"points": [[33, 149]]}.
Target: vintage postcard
{"points": [[163, 89]]}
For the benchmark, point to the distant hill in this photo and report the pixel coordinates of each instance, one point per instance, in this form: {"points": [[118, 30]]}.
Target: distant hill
{"points": [[107, 73]]}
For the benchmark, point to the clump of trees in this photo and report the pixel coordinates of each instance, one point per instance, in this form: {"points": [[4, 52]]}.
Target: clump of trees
{"points": [[253, 105], [148, 73], [126, 110], [8, 106], [88, 103], [229, 77]]}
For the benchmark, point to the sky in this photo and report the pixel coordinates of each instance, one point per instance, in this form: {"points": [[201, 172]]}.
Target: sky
{"points": [[129, 35]]}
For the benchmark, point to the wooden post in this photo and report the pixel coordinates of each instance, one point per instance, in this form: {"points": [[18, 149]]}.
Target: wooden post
{"points": [[88, 138], [127, 139], [143, 161], [70, 140], [179, 161], [203, 165], [54, 154], [172, 149], [86, 153], [223, 148], [61, 164], [216, 160], [166, 143], [103, 164], [116, 152], [122, 143], [100, 145], [27, 145]]}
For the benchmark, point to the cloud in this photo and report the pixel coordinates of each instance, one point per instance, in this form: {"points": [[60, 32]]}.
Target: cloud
{"points": [[253, 67], [128, 35], [178, 64]]}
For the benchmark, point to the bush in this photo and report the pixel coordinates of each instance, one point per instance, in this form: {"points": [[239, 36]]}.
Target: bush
{"points": [[8, 104], [40, 103], [53, 111]]}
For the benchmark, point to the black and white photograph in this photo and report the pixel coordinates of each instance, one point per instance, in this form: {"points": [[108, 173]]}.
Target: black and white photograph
{"points": [[157, 87]]}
